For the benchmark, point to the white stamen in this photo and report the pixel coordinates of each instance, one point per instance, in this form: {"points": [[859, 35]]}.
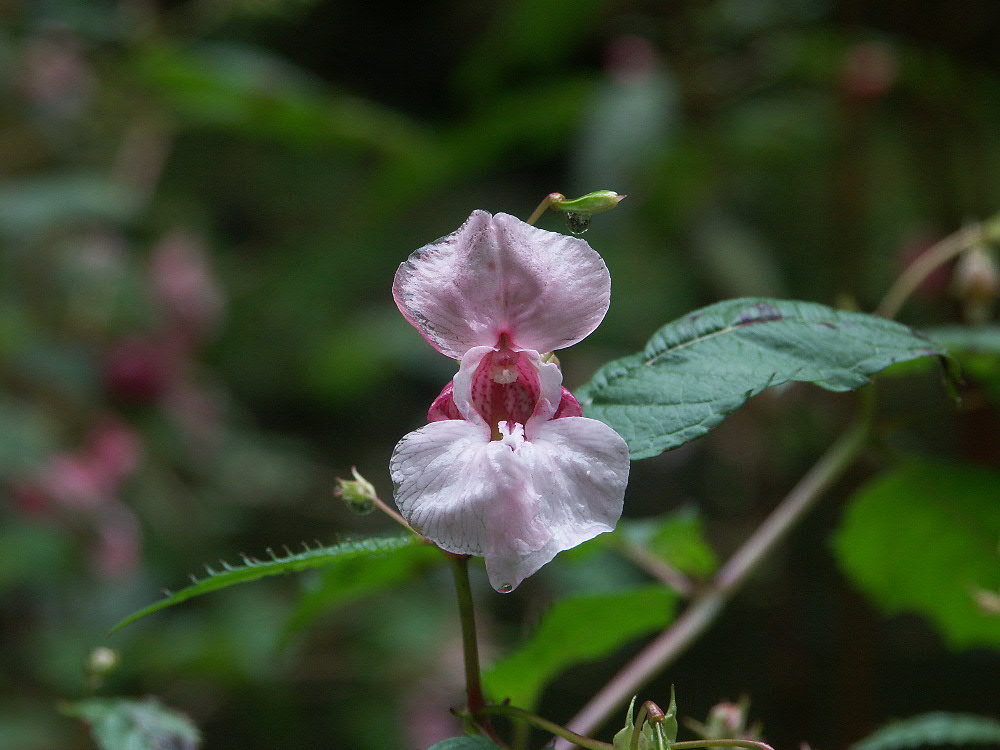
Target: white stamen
{"points": [[504, 374], [512, 437]]}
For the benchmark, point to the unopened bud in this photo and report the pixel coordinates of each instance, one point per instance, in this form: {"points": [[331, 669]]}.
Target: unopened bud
{"points": [[102, 660], [358, 494], [727, 719], [977, 283], [591, 203], [100, 663]]}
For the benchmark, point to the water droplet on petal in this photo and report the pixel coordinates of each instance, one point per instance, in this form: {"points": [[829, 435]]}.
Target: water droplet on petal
{"points": [[577, 223], [505, 588]]}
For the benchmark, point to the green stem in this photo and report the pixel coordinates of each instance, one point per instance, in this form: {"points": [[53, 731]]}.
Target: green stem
{"points": [[542, 207], [640, 719], [470, 646], [548, 726]]}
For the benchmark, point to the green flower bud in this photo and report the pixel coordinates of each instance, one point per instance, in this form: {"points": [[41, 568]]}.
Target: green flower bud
{"points": [[358, 494], [591, 203], [102, 660]]}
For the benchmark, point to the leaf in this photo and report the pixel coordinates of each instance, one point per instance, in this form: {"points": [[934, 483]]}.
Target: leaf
{"points": [[977, 351], [350, 578], [121, 724], [465, 743], [924, 538], [938, 728], [985, 339], [246, 89], [699, 369], [252, 569], [32, 205], [676, 537], [577, 629]]}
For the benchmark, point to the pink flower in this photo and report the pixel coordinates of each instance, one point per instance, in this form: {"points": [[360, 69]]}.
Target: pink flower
{"points": [[507, 468]]}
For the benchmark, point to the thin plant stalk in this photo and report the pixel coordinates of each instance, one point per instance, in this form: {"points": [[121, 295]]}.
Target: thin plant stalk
{"points": [[542, 207], [703, 610], [470, 645], [934, 257], [544, 724]]}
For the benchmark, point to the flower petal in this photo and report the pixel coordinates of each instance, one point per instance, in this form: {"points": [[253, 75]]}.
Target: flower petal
{"points": [[579, 469], [462, 491], [496, 275], [515, 503]]}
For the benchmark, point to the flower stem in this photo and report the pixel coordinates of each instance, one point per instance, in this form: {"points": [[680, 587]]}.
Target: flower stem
{"points": [[470, 647], [935, 256], [542, 207], [384, 507], [703, 610], [548, 726]]}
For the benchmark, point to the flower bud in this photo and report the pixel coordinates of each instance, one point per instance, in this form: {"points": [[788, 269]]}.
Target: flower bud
{"points": [[591, 203], [102, 660], [358, 494], [976, 283]]}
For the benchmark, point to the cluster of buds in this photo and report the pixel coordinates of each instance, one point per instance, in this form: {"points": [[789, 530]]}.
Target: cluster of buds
{"points": [[727, 720]]}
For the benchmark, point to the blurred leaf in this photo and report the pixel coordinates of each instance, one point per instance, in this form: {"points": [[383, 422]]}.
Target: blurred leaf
{"points": [[249, 90], [119, 724], [699, 369], [977, 351], [737, 260], [252, 569], [349, 578], [628, 123], [528, 38], [465, 743], [924, 538], [32, 552], [34, 205], [676, 537], [985, 339], [936, 728], [574, 630]]}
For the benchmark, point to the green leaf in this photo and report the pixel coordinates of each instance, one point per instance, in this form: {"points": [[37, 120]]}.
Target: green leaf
{"points": [[924, 538], [577, 629], [977, 351], [120, 724], [676, 537], [349, 578], [465, 743], [247, 89], [252, 569], [699, 369], [32, 205], [985, 339], [936, 728]]}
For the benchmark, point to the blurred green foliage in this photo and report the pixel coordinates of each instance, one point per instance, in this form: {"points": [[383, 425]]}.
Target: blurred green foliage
{"points": [[925, 537], [202, 203]]}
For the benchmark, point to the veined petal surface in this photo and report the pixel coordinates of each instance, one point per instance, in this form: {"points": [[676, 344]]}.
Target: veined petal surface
{"points": [[515, 503], [497, 274]]}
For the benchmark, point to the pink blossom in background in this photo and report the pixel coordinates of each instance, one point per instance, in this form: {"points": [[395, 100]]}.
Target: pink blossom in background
{"points": [[507, 468], [185, 287]]}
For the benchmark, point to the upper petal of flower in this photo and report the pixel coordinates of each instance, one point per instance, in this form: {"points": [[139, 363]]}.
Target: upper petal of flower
{"points": [[497, 275], [515, 502]]}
